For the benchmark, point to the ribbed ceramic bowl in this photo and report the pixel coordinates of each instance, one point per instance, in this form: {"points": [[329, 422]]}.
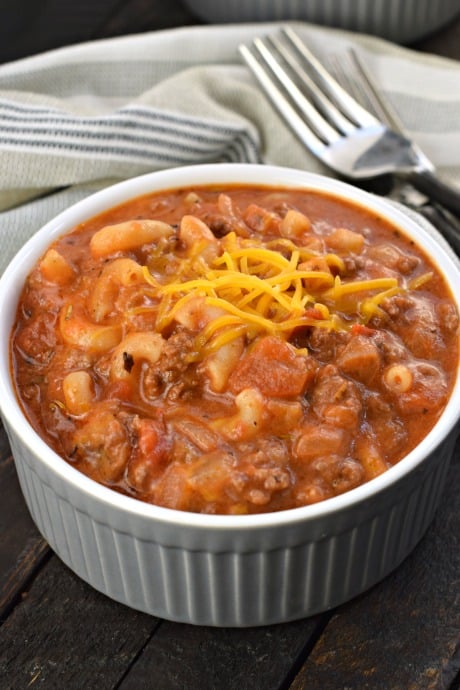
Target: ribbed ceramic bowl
{"points": [[402, 21], [211, 569]]}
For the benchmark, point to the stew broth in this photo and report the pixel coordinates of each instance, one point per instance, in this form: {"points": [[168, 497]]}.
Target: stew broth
{"points": [[234, 350]]}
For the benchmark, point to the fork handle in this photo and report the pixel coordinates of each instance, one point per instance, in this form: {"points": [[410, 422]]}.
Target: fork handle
{"points": [[444, 222], [430, 185]]}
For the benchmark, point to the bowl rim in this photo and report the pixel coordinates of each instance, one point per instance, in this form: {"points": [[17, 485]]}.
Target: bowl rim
{"points": [[194, 175]]}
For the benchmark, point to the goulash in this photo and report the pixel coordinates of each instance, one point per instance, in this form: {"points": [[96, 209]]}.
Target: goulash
{"points": [[236, 350]]}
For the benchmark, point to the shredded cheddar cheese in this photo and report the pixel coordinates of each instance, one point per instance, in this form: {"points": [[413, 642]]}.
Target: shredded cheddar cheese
{"points": [[258, 287], [421, 280]]}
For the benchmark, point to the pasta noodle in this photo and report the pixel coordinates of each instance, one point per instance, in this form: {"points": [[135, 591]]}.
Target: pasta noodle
{"points": [[234, 351], [128, 235]]}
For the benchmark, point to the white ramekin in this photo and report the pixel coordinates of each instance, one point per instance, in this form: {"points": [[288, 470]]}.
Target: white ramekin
{"points": [[402, 21], [224, 570]]}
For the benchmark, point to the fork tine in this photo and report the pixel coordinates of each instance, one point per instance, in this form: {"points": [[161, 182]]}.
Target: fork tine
{"points": [[369, 93], [351, 108], [313, 118], [381, 109], [281, 103], [325, 105]]}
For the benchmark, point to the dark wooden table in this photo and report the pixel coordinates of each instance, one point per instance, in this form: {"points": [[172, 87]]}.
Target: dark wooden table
{"points": [[57, 632]]}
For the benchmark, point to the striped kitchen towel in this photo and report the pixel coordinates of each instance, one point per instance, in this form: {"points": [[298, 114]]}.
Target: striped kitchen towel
{"points": [[76, 119]]}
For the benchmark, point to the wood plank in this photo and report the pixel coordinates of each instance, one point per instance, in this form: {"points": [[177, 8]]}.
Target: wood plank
{"points": [[199, 658], [404, 634], [5, 450], [22, 549], [64, 634]]}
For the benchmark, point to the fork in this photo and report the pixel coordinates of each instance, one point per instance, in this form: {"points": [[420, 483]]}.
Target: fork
{"points": [[352, 73], [332, 124]]}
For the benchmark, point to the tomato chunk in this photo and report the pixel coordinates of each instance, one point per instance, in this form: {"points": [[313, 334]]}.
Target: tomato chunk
{"points": [[273, 367], [150, 454], [261, 220]]}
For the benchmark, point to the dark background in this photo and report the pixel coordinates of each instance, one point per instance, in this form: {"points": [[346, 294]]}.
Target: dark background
{"points": [[28, 27], [58, 633]]}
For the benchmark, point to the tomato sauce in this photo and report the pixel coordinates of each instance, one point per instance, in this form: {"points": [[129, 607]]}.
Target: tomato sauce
{"points": [[236, 350]]}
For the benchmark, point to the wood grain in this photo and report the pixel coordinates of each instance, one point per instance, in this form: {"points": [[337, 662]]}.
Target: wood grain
{"points": [[405, 633], [181, 656], [66, 635], [22, 549]]}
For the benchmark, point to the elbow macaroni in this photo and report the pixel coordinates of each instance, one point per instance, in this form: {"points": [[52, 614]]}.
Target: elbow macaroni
{"points": [[135, 347], [81, 332], [120, 272], [128, 235], [235, 352], [78, 392]]}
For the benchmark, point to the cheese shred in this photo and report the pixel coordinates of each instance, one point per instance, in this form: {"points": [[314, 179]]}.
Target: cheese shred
{"points": [[254, 287]]}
